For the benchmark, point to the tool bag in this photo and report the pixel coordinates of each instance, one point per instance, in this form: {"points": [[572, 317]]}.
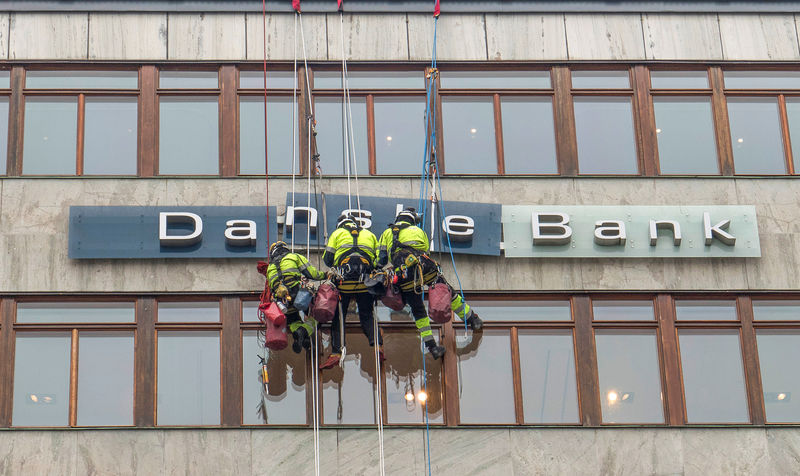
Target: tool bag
{"points": [[303, 299], [392, 298], [439, 297], [323, 308], [275, 336]]}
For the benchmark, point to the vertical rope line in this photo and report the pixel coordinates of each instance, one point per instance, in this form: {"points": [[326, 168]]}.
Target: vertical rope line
{"points": [[295, 159], [345, 144], [425, 403], [378, 393], [352, 156], [266, 158]]}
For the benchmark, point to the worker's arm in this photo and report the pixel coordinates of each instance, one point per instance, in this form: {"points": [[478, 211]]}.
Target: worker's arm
{"points": [[308, 270], [383, 248], [330, 249]]}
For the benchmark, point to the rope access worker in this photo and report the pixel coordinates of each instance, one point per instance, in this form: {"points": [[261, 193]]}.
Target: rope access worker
{"points": [[351, 250], [405, 245], [285, 274]]}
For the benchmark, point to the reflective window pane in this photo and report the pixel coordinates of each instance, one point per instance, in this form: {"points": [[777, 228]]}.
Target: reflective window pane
{"points": [[793, 115], [285, 400], [623, 310], [706, 310], [756, 136], [776, 310], [384, 314], [605, 135], [3, 134], [51, 131], [188, 80], [713, 378], [628, 373], [348, 393], [518, 310], [778, 354], [279, 136], [105, 379], [110, 136], [399, 135], [75, 312], [188, 378], [678, 79], [529, 141], [495, 80], [41, 379], [469, 135], [370, 79], [407, 392], [328, 112], [600, 80], [188, 311], [81, 79], [250, 311], [547, 366], [685, 132], [188, 136], [275, 79], [5, 79], [486, 389], [762, 79]]}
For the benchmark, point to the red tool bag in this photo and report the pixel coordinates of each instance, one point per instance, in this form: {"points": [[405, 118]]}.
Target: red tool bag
{"points": [[392, 299], [275, 337], [323, 309], [439, 296]]}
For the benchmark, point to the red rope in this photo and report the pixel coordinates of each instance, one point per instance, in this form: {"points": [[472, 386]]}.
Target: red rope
{"points": [[266, 159], [436, 10]]}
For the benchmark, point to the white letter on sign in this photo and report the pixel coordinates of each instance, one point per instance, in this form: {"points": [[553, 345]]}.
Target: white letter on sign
{"points": [[311, 213], [363, 217], [240, 232], [717, 231], [459, 227], [551, 229], [165, 218], [609, 233]]}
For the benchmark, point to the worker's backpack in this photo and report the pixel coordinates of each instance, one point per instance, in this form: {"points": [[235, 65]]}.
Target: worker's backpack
{"points": [[356, 264], [323, 308], [401, 252], [439, 297]]}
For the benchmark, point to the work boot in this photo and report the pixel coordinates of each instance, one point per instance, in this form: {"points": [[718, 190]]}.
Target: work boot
{"points": [[307, 341], [437, 351], [300, 336], [333, 361], [475, 322]]}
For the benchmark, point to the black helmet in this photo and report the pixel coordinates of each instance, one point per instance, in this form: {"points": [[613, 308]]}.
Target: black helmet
{"points": [[277, 249], [409, 215], [344, 219]]}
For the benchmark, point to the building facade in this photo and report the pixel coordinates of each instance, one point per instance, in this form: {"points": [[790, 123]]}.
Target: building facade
{"points": [[666, 358]]}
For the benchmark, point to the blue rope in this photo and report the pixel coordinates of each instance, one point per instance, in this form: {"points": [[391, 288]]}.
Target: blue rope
{"points": [[425, 388], [450, 249]]}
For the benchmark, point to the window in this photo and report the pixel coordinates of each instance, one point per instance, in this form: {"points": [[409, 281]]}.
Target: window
{"points": [[776, 310], [188, 138], [706, 310], [547, 368], [486, 387], [348, 392], [74, 312], [756, 136], [328, 112], [778, 353], [105, 378], [41, 379], [5, 84], [409, 391], [622, 310], [90, 130], [521, 310], [188, 311]]}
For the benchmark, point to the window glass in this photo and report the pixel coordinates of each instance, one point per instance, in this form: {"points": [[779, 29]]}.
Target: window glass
{"points": [[469, 135], [348, 393], [188, 378], [529, 141], [41, 379], [407, 392], [600, 80], [285, 400], [793, 115], [685, 131], [604, 126], [486, 389], [778, 354], [5, 79], [3, 134], [370, 79], [628, 373], [250, 311], [328, 112], [78, 312], [51, 131], [399, 135], [188, 136], [384, 314], [549, 385], [713, 377], [110, 136], [188, 80], [678, 79], [762, 79], [776, 310], [188, 311], [522, 310], [279, 136], [756, 136], [495, 80], [706, 310], [81, 79], [275, 79], [105, 379], [623, 310]]}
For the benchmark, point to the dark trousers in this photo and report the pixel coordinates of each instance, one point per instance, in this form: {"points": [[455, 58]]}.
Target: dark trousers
{"points": [[420, 314], [365, 302]]}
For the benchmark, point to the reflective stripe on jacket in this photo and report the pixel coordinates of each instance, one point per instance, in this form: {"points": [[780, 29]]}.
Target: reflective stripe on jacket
{"points": [[293, 266], [412, 236], [340, 245]]}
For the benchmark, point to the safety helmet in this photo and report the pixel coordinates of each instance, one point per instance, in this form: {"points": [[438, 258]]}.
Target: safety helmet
{"points": [[276, 249], [409, 215], [344, 219]]}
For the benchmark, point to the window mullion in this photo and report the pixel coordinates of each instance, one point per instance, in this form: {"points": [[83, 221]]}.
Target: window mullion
{"points": [[722, 129], [145, 364], [6, 361], [673, 390], [231, 356], [787, 141], [148, 121], [373, 169], [450, 369], [588, 384], [644, 122], [752, 369], [15, 122], [564, 114], [498, 135], [517, 376], [228, 137], [81, 133], [73, 380]]}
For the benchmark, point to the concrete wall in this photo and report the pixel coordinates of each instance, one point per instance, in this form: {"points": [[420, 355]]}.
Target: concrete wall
{"points": [[695, 451], [400, 37], [34, 220]]}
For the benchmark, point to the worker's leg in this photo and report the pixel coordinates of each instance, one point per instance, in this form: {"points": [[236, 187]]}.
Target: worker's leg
{"points": [[366, 315], [423, 322], [297, 328], [337, 336]]}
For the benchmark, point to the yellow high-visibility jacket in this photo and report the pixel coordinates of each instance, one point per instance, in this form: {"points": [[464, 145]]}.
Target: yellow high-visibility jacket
{"points": [[341, 245], [293, 267], [410, 235]]}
